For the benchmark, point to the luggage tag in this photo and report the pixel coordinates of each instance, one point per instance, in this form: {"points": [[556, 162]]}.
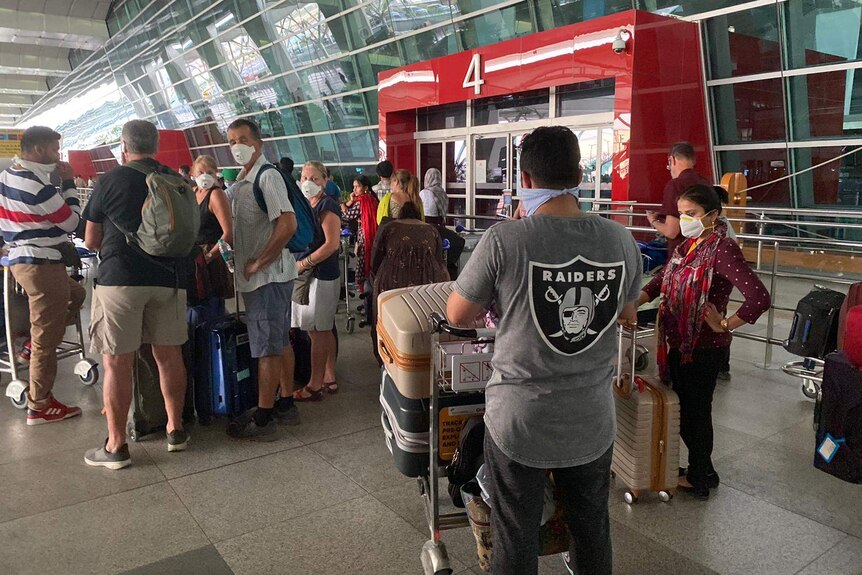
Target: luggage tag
{"points": [[829, 447]]}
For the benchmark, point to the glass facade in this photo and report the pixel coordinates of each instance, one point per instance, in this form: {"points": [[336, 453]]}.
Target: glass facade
{"points": [[785, 84], [784, 78]]}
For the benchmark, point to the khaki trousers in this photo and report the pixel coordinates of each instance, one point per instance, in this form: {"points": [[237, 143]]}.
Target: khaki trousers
{"points": [[54, 299]]}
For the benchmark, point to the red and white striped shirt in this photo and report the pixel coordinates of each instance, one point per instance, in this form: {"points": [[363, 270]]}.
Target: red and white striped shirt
{"points": [[35, 217]]}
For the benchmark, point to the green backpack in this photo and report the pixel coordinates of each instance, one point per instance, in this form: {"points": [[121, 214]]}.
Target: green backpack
{"points": [[170, 217]]}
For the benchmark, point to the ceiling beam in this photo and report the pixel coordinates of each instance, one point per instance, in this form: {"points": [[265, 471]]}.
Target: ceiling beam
{"points": [[41, 29], [34, 60], [22, 85], [15, 101]]}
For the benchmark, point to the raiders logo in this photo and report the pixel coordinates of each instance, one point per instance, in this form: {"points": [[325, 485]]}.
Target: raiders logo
{"points": [[574, 303]]}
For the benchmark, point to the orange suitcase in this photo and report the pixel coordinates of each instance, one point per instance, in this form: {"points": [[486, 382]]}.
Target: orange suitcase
{"points": [[646, 451]]}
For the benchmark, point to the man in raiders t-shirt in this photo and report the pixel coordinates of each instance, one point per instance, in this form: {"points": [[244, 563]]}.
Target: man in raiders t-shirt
{"points": [[560, 279]]}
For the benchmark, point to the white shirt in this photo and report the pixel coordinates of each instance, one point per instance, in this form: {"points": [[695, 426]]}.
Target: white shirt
{"points": [[253, 227]]}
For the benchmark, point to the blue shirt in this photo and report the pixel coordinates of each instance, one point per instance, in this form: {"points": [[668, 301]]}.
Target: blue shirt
{"points": [[332, 190]]}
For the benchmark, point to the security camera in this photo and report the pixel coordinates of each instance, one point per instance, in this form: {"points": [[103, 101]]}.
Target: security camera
{"points": [[619, 43]]}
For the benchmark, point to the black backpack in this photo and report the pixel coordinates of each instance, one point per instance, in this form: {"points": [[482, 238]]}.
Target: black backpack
{"points": [[468, 458]]}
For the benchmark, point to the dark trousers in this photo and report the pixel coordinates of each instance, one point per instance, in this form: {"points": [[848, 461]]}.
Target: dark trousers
{"points": [[694, 383], [516, 511]]}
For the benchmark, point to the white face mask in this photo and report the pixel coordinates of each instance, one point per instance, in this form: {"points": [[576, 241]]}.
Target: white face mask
{"points": [[205, 181], [691, 227], [242, 153], [309, 189], [44, 171]]}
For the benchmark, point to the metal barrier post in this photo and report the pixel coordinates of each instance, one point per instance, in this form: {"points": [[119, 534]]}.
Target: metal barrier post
{"points": [[770, 315], [760, 228]]}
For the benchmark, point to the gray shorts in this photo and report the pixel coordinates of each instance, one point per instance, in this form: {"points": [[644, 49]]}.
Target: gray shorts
{"points": [[267, 312]]}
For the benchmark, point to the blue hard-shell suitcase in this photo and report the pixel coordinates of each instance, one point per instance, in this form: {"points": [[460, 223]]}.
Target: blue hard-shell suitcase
{"points": [[232, 369]]}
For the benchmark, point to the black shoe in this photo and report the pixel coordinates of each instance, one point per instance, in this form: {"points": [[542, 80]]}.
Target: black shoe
{"points": [[712, 480], [698, 490]]}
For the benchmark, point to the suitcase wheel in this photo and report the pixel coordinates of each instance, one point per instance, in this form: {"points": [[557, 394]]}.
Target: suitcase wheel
{"points": [[630, 498], [350, 324], [665, 496], [810, 389]]}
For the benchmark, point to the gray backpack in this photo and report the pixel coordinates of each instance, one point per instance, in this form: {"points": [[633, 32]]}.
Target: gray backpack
{"points": [[170, 217]]}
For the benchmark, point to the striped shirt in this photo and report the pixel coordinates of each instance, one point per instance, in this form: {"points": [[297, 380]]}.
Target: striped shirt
{"points": [[35, 217]]}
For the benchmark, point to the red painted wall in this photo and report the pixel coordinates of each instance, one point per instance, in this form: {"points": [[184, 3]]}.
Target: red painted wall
{"points": [[659, 96], [173, 152]]}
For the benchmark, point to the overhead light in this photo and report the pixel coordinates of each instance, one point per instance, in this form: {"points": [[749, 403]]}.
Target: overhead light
{"points": [[224, 21]]}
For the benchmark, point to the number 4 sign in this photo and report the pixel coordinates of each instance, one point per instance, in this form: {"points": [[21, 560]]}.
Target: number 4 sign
{"points": [[473, 78]]}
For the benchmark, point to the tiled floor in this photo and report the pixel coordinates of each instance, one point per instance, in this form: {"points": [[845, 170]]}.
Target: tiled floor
{"points": [[325, 498]]}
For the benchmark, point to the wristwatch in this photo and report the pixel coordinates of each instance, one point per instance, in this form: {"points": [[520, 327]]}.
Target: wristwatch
{"points": [[724, 326]]}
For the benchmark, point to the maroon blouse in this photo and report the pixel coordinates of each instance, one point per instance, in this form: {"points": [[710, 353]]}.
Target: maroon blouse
{"points": [[731, 270]]}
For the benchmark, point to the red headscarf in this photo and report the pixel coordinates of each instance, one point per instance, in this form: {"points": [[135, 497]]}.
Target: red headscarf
{"points": [[368, 221]]}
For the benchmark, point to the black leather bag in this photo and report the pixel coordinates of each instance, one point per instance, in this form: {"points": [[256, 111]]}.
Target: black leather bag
{"points": [[838, 448]]}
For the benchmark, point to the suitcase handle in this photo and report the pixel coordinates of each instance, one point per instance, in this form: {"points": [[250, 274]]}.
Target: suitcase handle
{"points": [[625, 382], [440, 325], [384, 353]]}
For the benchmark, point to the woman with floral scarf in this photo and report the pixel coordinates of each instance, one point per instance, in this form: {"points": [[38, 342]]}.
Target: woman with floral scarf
{"points": [[694, 329]]}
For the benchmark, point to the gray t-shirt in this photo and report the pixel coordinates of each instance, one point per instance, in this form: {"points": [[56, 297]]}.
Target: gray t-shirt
{"points": [[253, 228], [559, 284]]}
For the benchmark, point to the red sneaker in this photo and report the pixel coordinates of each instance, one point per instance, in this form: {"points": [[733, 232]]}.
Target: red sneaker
{"points": [[54, 411], [24, 354]]}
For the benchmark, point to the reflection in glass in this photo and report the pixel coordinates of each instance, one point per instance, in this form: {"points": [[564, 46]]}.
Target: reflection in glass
{"points": [[443, 117], [749, 112], [760, 167], [586, 98], [496, 26], [837, 182], [744, 42], [531, 105], [242, 53], [826, 105], [823, 32]]}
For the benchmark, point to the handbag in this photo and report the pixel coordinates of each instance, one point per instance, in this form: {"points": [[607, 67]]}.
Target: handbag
{"points": [[302, 287], [69, 255]]}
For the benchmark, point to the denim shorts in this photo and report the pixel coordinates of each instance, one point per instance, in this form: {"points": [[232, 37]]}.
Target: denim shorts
{"points": [[267, 312]]}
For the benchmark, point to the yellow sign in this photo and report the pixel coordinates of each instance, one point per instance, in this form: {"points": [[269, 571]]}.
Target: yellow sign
{"points": [[10, 143], [452, 420]]}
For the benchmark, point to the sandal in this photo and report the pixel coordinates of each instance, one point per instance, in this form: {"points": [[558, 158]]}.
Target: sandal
{"points": [[308, 394], [331, 387]]}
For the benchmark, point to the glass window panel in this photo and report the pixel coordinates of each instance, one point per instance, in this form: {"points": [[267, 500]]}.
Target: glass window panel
{"points": [[496, 26], [430, 156], [222, 155], [760, 167], [684, 7], [372, 62], [827, 105], [243, 54], [744, 42], [749, 112], [586, 98], [837, 183], [356, 146], [409, 15], [431, 44], [531, 105], [823, 31], [456, 168], [555, 13], [305, 35], [443, 117]]}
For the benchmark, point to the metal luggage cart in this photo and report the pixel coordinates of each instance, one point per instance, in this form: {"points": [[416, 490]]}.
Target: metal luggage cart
{"points": [[460, 366], [350, 288], [86, 369], [810, 371]]}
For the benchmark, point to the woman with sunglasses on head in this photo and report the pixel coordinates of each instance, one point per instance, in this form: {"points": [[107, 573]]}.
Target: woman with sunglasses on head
{"points": [[694, 328]]}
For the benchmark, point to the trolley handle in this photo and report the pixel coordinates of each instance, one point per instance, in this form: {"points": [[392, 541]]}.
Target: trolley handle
{"points": [[439, 324]]}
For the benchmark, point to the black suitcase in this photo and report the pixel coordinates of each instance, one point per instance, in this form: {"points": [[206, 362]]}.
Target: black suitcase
{"points": [[838, 447], [147, 414], [301, 343], [226, 379], [814, 332]]}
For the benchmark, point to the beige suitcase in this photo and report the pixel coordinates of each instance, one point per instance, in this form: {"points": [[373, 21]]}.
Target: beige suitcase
{"points": [[646, 451], [404, 334]]}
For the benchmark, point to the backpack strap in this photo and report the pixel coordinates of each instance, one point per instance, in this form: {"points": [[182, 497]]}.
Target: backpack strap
{"points": [[141, 167], [257, 191]]}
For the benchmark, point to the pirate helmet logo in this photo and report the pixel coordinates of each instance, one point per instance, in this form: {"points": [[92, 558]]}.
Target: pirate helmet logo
{"points": [[572, 322]]}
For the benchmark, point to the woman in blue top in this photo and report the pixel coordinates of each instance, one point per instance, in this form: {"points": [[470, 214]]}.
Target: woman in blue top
{"points": [[320, 262]]}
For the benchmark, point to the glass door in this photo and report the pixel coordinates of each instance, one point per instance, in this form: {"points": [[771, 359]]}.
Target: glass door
{"points": [[450, 157], [491, 175]]}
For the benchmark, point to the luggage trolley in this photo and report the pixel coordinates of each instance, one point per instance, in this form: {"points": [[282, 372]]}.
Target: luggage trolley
{"points": [[350, 288], [86, 369], [460, 366]]}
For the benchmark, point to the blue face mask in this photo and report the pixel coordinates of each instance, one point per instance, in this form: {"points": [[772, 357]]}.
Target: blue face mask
{"points": [[534, 198]]}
